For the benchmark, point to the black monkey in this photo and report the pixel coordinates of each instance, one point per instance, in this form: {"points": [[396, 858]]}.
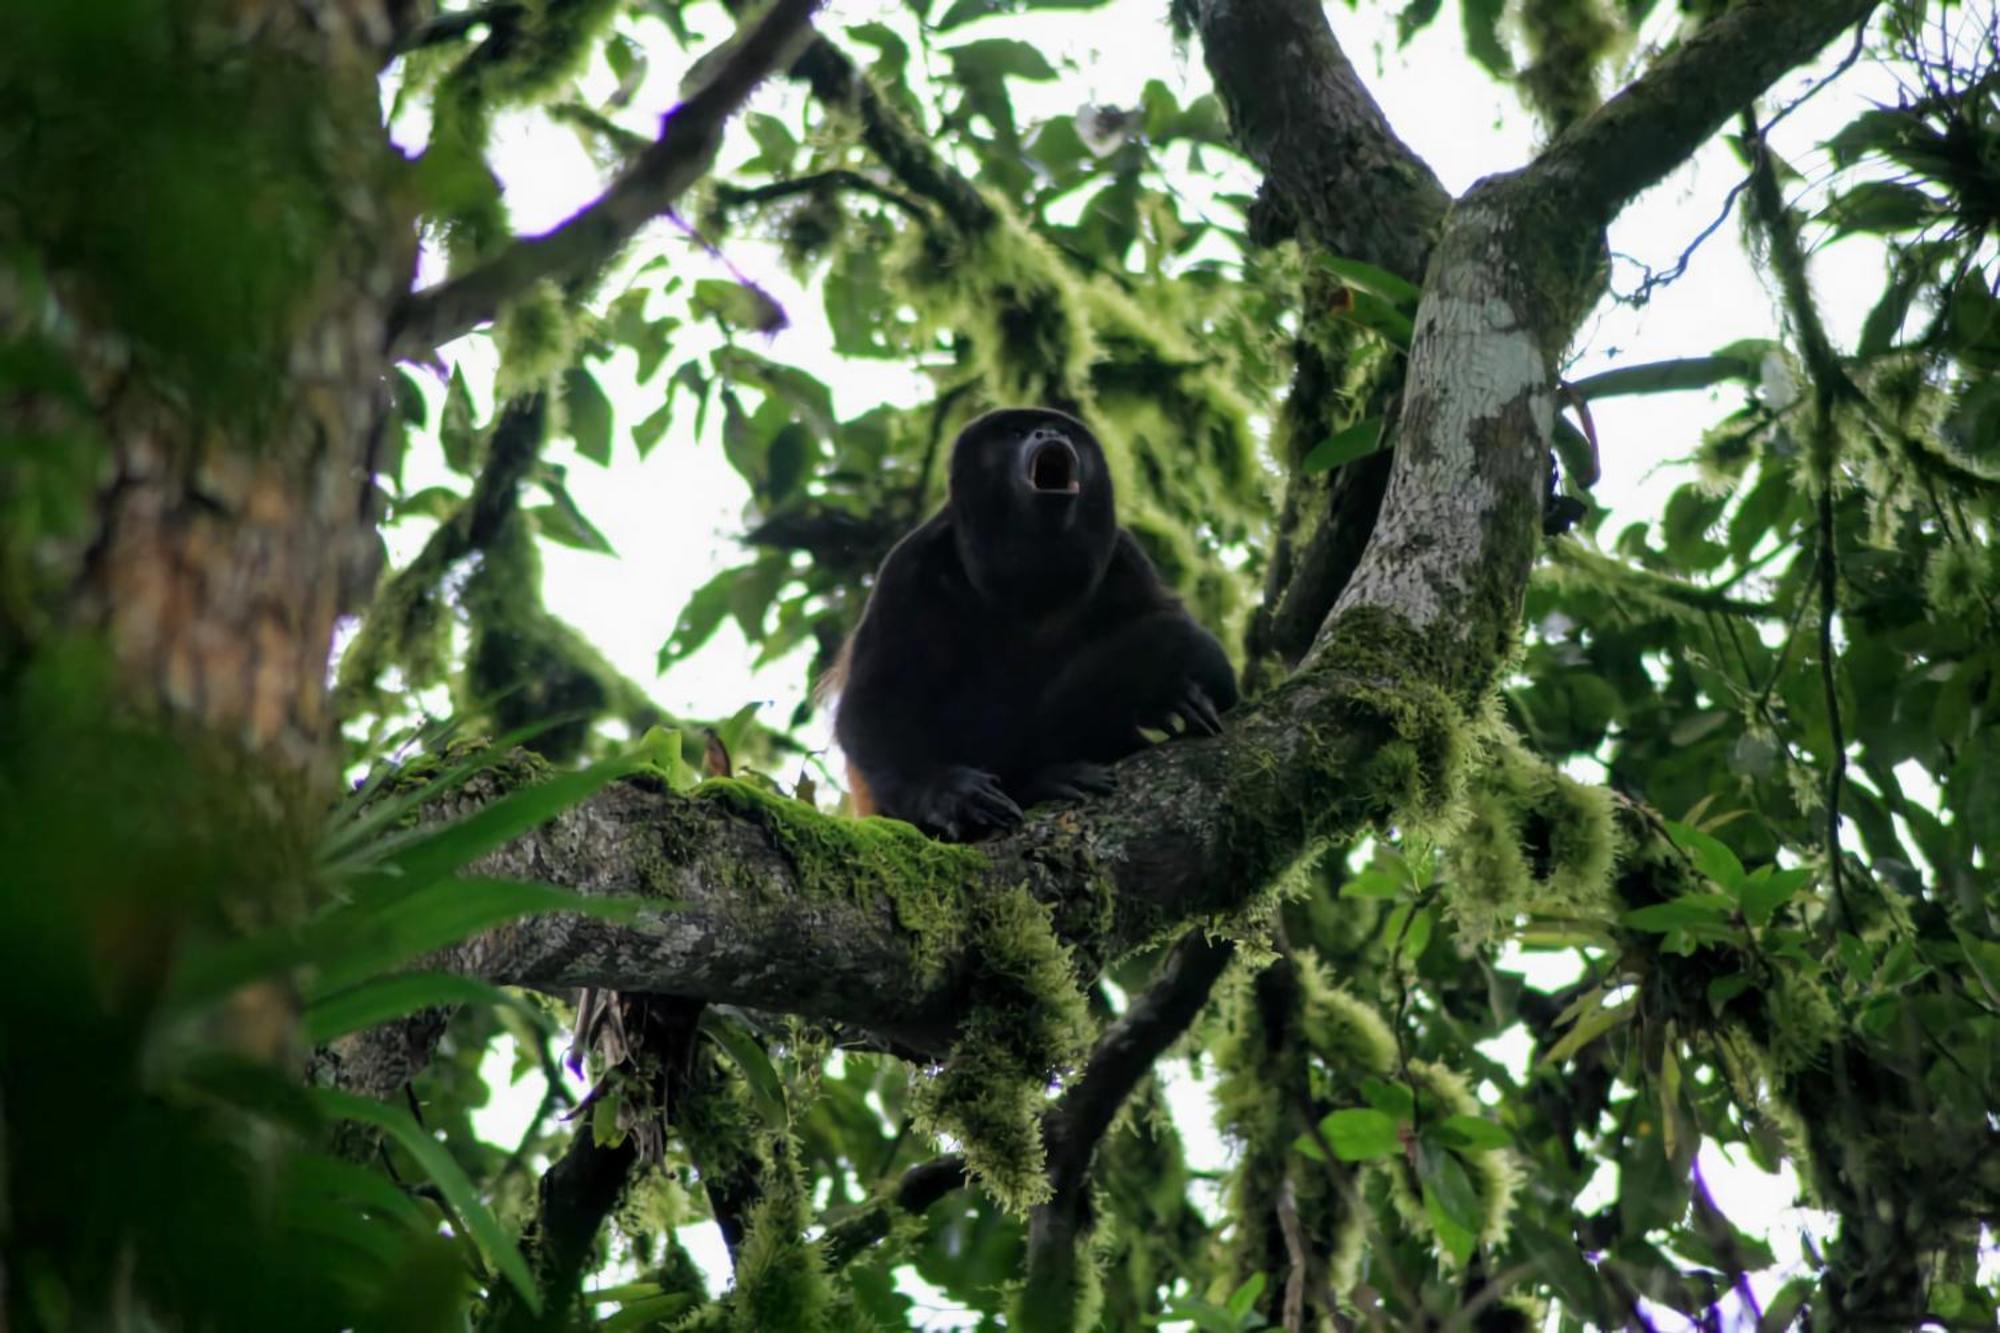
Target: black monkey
{"points": [[1016, 642]]}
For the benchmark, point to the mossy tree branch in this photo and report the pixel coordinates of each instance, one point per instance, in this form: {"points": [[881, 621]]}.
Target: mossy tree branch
{"points": [[1337, 177], [689, 137], [780, 908]]}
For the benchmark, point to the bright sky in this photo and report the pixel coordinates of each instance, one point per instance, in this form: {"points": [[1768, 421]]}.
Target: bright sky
{"points": [[672, 517]]}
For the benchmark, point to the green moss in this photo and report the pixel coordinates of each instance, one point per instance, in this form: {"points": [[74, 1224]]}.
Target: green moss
{"points": [[536, 335], [1569, 40], [1494, 1174], [1802, 1022], [780, 1283], [1532, 839], [925, 881], [1343, 1030], [1026, 1020]]}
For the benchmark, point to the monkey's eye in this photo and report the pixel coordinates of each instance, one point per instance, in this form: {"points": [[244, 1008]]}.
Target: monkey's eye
{"points": [[1052, 464]]}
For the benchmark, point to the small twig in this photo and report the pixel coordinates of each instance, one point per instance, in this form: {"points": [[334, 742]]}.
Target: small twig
{"points": [[920, 1187], [1295, 1248], [1722, 1238], [581, 247], [450, 27], [1644, 291], [1832, 388], [838, 179]]}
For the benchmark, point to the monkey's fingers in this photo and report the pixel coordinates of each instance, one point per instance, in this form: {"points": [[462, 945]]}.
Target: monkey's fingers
{"points": [[1199, 711], [1071, 782], [983, 799]]}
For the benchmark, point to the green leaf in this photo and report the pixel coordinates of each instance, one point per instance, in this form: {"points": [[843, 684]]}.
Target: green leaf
{"points": [[1450, 1202], [443, 1172], [1884, 207], [1244, 1299], [999, 57], [1471, 1132], [384, 998], [1391, 1099], [766, 1087], [588, 414], [739, 305], [1357, 441], [458, 431], [1711, 857], [647, 1312], [1361, 1134], [1695, 372], [1785, 1306], [775, 145], [1594, 1023], [313, 1173], [1482, 35], [699, 618], [1414, 18], [1364, 277], [1769, 889], [648, 432], [359, 942], [564, 522], [436, 853], [1723, 989], [1688, 910]]}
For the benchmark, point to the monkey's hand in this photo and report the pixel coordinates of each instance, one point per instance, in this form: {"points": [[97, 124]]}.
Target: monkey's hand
{"points": [[963, 803], [1077, 781], [1191, 713]]}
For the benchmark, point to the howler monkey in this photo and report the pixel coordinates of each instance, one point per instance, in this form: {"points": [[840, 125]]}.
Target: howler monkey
{"points": [[1017, 641]]}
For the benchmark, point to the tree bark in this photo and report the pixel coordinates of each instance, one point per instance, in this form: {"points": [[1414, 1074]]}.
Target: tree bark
{"points": [[223, 538]]}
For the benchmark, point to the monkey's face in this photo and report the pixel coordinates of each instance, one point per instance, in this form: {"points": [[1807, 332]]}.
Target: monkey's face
{"points": [[1032, 499]]}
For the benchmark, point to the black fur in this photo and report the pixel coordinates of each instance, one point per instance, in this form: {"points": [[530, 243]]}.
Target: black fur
{"points": [[1016, 642]]}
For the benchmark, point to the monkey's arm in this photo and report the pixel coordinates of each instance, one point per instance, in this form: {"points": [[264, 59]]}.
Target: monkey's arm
{"points": [[1145, 663], [900, 719]]}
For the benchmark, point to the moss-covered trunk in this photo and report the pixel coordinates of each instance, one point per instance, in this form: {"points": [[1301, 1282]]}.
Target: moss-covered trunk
{"points": [[200, 238]]}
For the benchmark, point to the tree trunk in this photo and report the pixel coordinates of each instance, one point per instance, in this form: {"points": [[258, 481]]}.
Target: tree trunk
{"points": [[189, 487]]}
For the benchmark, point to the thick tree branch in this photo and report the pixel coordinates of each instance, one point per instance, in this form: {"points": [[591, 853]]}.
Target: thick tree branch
{"points": [[1123, 1055], [1336, 174], [782, 909], [688, 140], [1634, 140], [1331, 162]]}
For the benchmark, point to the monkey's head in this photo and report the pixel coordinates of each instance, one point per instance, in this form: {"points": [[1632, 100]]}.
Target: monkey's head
{"points": [[1032, 507]]}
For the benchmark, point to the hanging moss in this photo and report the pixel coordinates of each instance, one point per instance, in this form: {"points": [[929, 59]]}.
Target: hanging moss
{"points": [[1533, 839], [1570, 40], [1494, 1174], [1026, 1020], [780, 1281], [1342, 1029], [536, 335]]}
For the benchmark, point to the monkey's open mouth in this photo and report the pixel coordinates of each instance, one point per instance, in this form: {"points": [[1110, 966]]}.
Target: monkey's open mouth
{"points": [[1052, 467]]}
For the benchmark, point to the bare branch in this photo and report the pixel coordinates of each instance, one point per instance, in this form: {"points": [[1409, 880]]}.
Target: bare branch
{"points": [[1123, 1055], [828, 181], [920, 1187], [580, 247]]}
